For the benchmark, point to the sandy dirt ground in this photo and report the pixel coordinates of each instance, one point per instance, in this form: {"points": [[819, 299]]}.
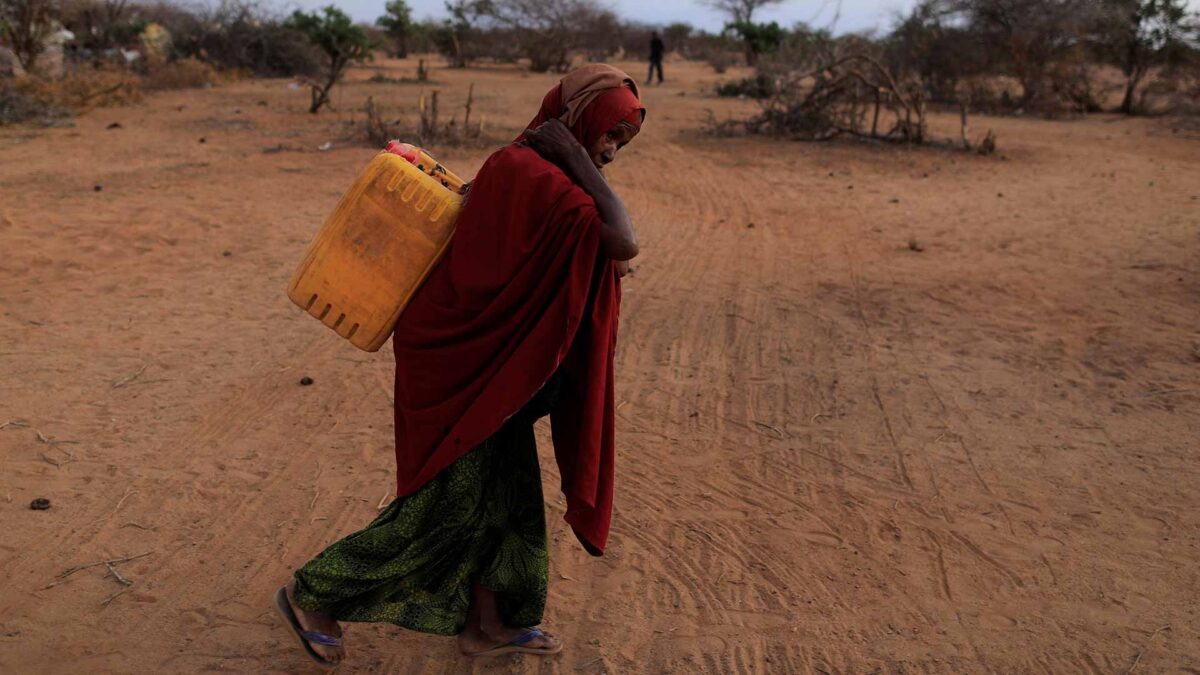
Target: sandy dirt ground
{"points": [[837, 454]]}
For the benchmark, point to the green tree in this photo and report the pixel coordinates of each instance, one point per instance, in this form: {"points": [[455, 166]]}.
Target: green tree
{"points": [[457, 30], [1140, 35], [398, 24], [676, 35], [26, 25], [757, 38], [343, 43]]}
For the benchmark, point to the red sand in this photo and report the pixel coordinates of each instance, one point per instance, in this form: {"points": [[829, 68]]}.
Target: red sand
{"points": [[837, 454]]}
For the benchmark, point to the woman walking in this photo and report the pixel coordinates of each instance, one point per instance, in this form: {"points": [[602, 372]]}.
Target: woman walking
{"points": [[518, 321]]}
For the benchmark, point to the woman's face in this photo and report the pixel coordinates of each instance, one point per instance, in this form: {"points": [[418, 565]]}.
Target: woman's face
{"points": [[604, 150]]}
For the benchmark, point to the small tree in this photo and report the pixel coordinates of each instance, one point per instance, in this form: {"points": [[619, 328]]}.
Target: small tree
{"points": [[27, 25], [1140, 35], [741, 22], [237, 34], [739, 11], [757, 38], [676, 35], [342, 42], [1027, 37], [456, 31], [932, 45], [398, 24], [548, 31], [102, 24]]}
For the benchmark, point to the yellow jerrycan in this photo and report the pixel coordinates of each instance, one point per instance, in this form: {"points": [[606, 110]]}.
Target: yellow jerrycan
{"points": [[376, 248]]}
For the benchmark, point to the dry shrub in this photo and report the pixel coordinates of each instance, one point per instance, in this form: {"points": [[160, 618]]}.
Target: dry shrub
{"points": [[28, 98], [1173, 91], [81, 90], [987, 146], [550, 32], [237, 35], [379, 128], [428, 130], [993, 94], [720, 59], [715, 50], [17, 106], [758, 86], [186, 73], [1074, 86], [819, 94]]}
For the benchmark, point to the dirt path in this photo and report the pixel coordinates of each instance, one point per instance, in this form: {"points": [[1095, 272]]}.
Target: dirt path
{"points": [[838, 454]]}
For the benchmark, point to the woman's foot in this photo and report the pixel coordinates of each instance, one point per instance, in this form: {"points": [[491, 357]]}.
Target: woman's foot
{"points": [[476, 640], [317, 622]]}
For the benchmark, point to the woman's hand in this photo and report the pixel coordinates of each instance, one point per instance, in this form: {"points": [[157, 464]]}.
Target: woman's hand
{"points": [[555, 143]]}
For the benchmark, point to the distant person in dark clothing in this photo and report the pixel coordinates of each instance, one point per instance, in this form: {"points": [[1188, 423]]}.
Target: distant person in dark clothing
{"points": [[656, 57]]}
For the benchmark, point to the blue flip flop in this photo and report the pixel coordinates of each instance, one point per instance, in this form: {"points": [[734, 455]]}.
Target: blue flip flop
{"points": [[517, 645], [307, 637]]}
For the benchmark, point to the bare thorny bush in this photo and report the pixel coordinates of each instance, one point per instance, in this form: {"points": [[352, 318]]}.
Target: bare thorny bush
{"points": [[819, 93], [429, 130]]}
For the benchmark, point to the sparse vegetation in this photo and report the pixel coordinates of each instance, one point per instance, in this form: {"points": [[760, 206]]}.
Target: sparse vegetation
{"points": [[181, 74], [1042, 56], [1139, 36], [756, 39], [759, 86], [39, 99], [238, 35], [397, 23], [819, 93], [19, 106], [26, 25], [429, 130], [548, 32], [457, 35], [1048, 57], [341, 41]]}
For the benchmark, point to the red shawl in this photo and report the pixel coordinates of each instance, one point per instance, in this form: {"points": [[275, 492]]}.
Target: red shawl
{"points": [[523, 291]]}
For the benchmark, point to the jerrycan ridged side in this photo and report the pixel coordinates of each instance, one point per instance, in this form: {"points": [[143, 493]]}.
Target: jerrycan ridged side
{"points": [[377, 247]]}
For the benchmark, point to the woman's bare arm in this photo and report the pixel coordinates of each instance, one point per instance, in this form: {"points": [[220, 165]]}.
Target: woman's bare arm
{"points": [[617, 235], [554, 141]]}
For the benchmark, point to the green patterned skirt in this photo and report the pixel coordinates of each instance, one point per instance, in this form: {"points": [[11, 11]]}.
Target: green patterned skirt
{"points": [[480, 520]]}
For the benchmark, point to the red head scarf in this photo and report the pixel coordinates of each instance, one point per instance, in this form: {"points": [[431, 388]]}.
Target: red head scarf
{"points": [[591, 101], [523, 291]]}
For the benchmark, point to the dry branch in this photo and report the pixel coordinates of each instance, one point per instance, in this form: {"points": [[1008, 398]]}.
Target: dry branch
{"points": [[1137, 659], [62, 576], [71, 570], [383, 502], [117, 575], [50, 460], [429, 130], [112, 597], [128, 492], [820, 96], [50, 441], [126, 380]]}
